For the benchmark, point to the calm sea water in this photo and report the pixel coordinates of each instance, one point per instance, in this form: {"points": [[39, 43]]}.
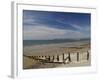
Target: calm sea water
{"points": [[42, 42]]}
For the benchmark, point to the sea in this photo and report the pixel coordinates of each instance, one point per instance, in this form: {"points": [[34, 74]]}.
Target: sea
{"points": [[54, 41]]}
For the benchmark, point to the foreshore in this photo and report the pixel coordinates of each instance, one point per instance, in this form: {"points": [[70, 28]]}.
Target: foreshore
{"points": [[50, 50]]}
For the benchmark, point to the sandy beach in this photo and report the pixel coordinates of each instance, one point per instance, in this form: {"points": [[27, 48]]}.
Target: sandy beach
{"points": [[60, 55]]}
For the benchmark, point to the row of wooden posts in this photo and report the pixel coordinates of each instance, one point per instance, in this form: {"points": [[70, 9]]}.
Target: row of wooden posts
{"points": [[49, 58]]}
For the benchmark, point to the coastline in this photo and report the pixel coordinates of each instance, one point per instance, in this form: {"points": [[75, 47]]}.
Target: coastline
{"points": [[54, 50]]}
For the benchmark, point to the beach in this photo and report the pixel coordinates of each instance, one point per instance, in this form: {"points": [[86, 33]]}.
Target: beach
{"points": [[71, 54]]}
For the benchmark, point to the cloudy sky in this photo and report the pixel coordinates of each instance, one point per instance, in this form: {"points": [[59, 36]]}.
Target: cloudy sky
{"points": [[43, 25]]}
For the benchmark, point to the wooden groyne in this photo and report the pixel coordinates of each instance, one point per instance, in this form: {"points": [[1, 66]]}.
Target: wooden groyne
{"points": [[61, 58]]}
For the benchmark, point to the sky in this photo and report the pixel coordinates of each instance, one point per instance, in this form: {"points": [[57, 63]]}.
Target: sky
{"points": [[44, 25]]}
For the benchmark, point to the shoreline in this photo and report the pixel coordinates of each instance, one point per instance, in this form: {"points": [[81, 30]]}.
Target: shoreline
{"points": [[54, 50]]}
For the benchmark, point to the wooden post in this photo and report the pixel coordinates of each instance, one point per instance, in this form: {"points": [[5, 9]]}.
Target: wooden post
{"points": [[87, 55], [37, 58], [49, 58], [69, 58], [77, 56], [57, 57], [63, 57], [34, 57], [53, 58]]}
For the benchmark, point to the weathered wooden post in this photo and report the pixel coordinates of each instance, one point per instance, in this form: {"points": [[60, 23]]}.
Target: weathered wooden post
{"points": [[77, 56], [53, 58], [37, 58], [45, 57], [49, 58], [69, 57], [87, 55], [63, 57], [34, 57], [57, 57]]}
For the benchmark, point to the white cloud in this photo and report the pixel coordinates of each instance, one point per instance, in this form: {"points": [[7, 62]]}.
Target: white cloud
{"points": [[76, 26], [29, 20], [45, 32], [73, 25], [41, 32]]}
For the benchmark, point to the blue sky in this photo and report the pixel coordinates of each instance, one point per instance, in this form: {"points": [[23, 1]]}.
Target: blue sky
{"points": [[43, 25]]}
